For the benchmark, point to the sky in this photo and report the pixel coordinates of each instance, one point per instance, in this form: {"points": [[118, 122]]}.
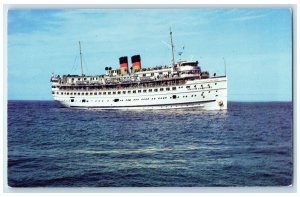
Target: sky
{"points": [[255, 44]]}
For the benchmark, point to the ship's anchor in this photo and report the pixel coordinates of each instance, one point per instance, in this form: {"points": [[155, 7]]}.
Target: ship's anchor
{"points": [[220, 103]]}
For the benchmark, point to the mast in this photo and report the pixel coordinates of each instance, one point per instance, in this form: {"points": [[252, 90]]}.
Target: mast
{"points": [[80, 59], [173, 60]]}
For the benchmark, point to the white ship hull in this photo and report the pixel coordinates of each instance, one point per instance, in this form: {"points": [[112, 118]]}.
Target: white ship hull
{"points": [[205, 94]]}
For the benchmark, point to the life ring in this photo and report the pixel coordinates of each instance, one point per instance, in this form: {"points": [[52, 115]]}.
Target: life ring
{"points": [[220, 103]]}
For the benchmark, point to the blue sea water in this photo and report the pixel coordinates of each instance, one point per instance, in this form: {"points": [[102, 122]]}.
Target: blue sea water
{"points": [[250, 144]]}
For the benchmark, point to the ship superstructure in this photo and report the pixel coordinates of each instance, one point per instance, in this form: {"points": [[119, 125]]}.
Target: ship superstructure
{"points": [[179, 85]]}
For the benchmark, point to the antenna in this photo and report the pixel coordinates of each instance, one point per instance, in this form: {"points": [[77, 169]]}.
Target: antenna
{"points": [[173, 60], [224, 65], [80, 59]]}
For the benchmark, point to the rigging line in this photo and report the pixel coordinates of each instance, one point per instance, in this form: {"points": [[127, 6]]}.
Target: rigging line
{"points": [[74, 64], [86, 67]]}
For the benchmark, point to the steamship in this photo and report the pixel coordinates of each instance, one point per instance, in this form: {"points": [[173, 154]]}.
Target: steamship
{"points": [[181, 84]]}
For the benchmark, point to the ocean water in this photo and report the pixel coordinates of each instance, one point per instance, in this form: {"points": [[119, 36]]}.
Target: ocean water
{"points": [[250, 144]]}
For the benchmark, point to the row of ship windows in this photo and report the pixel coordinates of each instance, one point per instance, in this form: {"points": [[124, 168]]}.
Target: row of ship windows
{"points": [[143, 99], [162, 89], [124, 92]]}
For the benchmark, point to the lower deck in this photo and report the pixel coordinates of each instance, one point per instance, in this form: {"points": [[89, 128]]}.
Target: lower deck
{"points": [[209, 93]]}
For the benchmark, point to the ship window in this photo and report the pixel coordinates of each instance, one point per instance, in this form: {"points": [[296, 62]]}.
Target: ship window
{"points": [[187, 86], [160, 73], [152, 74], [87, 93], [56, 92], [95, 93], [75, 93], [155, 90], [99, 93], [83, 100], [134, 91], [91, 93], [174, 97], [124, 92], [78, 79], [144, 90], [109, 93], [128, 91], [173, 88], [144, 75], [139, 91], [72, 100], [52, 92], [215, 83], [116, 100], [104, 93], [161, 89], [168, 89], [71, 93], [150, 90], [67, 93], [119, 92], [84, 78], [114, 92]]}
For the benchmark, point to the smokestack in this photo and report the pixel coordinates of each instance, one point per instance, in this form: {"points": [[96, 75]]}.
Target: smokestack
{"points": [[136, 63], [123, 65]]}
